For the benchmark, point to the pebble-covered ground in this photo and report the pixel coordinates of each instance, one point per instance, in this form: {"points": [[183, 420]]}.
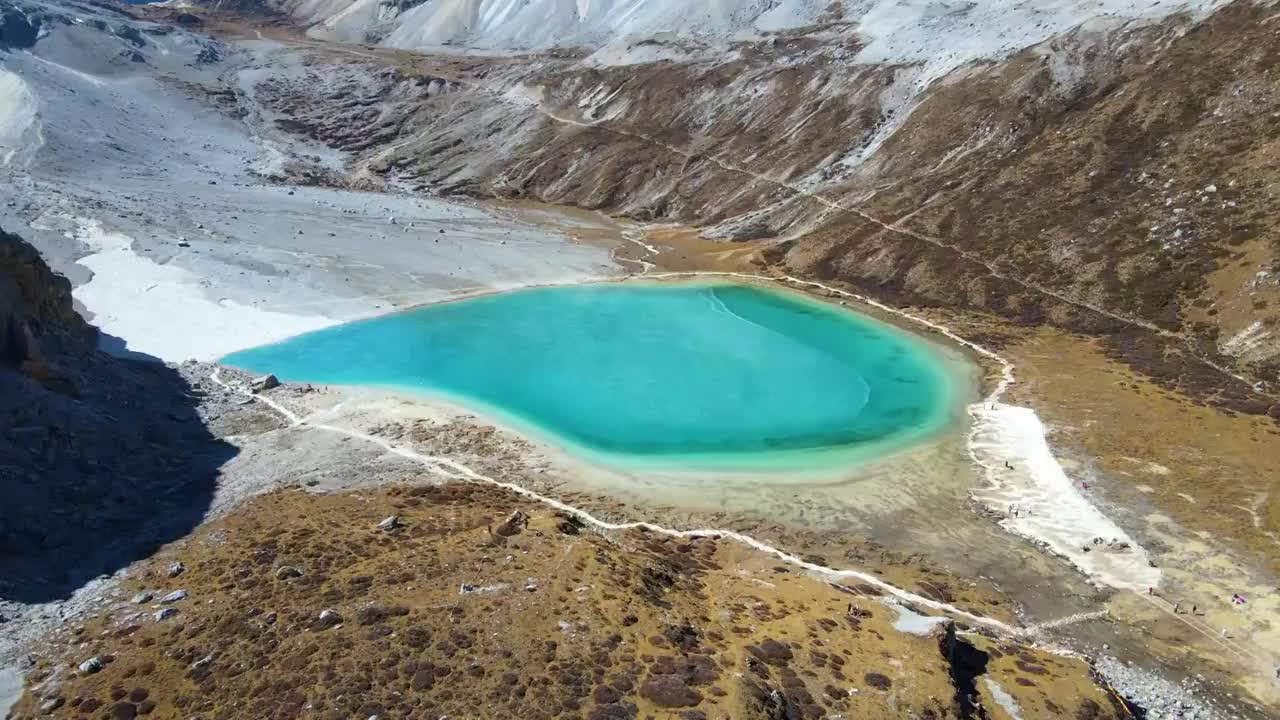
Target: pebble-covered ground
{"points": [[1160, 698]]}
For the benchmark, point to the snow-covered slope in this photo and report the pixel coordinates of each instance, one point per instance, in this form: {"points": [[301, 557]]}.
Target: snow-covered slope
{"points": [[945, 32], [516, 24]]}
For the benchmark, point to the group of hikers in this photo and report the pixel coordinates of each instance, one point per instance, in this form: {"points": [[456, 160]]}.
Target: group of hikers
{"points": [[1236, 599]]}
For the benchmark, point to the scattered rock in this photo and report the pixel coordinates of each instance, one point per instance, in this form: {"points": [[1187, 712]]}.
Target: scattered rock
{"points": [[141, 598], [670, 691], [174, 596], [48, 706], [90, 666], [771, 651], [878, 681], [329, 618], [266, 382], [1160, 698], [570, 524], [288, 571], [514, 523], [390, 522], [176, 569], [16, 29], [163, 613]]}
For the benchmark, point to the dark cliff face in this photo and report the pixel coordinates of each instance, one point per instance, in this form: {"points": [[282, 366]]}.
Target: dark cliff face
{"points": [[101, 458], [37, 319]]}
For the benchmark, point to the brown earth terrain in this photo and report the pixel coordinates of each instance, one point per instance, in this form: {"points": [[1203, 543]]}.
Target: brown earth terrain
{"points": [[480, 604]]}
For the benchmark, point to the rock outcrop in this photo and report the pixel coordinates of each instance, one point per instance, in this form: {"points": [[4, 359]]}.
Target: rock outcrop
{"points": [[101, 458], [37, 319], [17, 29]]}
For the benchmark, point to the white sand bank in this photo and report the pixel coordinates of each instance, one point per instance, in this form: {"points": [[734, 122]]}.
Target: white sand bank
{"points": [[160, 310], [1052, 508]]}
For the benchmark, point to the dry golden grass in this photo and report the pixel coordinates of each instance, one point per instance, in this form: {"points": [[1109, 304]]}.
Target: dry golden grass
{"points": [[555, 622]]}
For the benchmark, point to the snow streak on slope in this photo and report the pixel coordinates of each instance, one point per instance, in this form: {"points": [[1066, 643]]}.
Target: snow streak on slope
{"points": [[19, 125], [515, 24], [940, 34]]}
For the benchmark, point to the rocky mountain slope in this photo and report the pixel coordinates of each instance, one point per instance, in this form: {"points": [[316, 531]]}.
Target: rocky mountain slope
{"points": [[1101, 179]]}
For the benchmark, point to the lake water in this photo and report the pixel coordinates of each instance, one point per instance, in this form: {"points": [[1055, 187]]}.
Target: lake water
{"points": [[673, 375]]}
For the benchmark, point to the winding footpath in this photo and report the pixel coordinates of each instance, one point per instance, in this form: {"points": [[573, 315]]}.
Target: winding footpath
{"points": [[454, 470]]}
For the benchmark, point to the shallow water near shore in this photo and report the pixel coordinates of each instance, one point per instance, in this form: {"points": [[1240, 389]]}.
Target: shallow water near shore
{"points": [[664, 375]]}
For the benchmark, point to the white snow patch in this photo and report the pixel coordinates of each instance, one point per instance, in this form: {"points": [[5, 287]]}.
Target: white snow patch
{"points": [[19, 118], [1051, 506], [10, 688], [161, 311], [1245, 340], [1003, 699], [909, 621]]}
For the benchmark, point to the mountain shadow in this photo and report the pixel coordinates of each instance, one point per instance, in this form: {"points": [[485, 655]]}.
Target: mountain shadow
{"points": [[102, 459]]}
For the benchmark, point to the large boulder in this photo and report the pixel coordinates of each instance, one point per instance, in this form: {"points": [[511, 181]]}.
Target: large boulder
{"points": [[17, 29]]}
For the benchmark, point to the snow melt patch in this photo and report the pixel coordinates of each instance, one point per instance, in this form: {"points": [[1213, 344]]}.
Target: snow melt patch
{"points": [[1003, 699], [19, 124], [1010, 442], [161, 311], [1245, 340], [910, 621]]}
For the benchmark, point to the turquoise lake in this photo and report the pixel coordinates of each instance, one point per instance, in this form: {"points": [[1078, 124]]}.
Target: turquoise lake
{"points": [[696, 375]]}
